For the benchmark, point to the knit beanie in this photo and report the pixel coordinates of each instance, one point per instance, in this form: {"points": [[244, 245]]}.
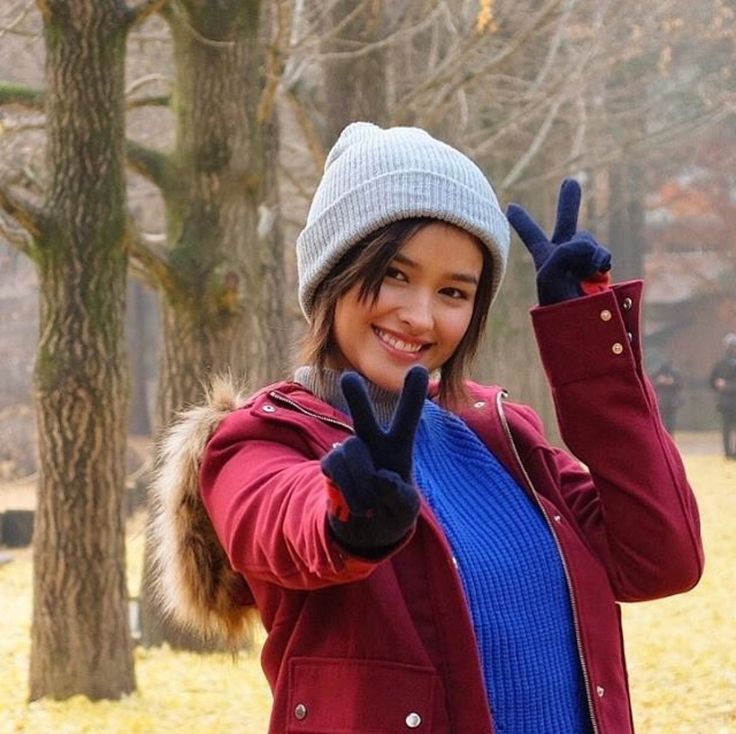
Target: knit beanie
{"points": [[374, 177]]}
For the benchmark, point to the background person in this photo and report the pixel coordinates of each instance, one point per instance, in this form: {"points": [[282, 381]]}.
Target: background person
{"points": [[723, 381], [667, 381]]}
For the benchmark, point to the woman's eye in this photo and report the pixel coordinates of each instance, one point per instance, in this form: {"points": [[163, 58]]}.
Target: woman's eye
{"points": [[395, 274], [455, 293]]}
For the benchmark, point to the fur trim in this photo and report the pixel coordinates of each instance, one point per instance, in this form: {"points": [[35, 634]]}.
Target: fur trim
{"points": [[195, 583]]}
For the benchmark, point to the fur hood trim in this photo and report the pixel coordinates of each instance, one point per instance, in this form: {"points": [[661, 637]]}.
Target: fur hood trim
{"points": [[195, 583]]}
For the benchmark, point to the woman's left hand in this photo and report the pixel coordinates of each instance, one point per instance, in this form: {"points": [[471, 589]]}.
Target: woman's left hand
{"points": [[571, 263]]}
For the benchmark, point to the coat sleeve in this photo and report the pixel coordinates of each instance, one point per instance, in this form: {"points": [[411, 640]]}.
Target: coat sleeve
{"points": [[634, 504], [266, 499]]}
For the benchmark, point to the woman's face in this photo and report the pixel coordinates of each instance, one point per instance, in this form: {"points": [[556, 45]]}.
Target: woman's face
{"points": [[422, 312]]}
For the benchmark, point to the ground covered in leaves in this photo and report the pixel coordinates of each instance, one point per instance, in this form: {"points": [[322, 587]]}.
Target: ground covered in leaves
{"points": [[681, 653]]}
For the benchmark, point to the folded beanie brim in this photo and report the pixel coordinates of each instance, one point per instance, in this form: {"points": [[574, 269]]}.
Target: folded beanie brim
{"points": [[389, 198]]}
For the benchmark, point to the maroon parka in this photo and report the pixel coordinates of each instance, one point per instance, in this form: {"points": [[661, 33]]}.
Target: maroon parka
{"points": [[386, 645]]}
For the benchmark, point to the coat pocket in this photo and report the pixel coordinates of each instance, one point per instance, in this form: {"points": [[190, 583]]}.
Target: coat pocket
{"points": [[343, 696]]}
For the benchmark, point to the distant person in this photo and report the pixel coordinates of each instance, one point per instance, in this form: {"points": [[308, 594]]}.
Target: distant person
{"points": [[667, 382], [723, 381]]}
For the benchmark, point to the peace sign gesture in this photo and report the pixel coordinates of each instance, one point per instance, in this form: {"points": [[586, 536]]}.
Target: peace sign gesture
{"points": [[391, 449], [571, 263], [372, 503]]}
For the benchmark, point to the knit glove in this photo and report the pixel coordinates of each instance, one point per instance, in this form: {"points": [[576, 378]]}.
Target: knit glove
{"points": [[372, 502], [572, 263]]}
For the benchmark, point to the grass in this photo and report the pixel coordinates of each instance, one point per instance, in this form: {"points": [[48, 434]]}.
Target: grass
{"points": [[681, 653]]}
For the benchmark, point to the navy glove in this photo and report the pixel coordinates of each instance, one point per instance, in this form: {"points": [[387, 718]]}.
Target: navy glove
{"points": [[572, 263], [373, 503]]}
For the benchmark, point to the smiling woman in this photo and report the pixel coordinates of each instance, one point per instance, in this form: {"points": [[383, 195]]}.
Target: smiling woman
{"points": [[420, 556], [420, 313]]}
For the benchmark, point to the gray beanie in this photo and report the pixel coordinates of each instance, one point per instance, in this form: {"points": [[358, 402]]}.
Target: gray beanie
{"points": [[374, 177]]}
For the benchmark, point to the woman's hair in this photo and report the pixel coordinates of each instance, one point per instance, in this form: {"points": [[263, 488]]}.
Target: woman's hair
{"points": [[366, 263]]}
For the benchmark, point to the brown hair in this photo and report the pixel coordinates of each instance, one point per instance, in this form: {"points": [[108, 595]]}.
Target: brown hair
{"points": [[366, 263]]}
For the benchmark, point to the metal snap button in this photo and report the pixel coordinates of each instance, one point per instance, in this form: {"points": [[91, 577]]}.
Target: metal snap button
{"points": [[479, 404], [600, 690], [413, 720], [605, 315], [627, 303], [557, 518], [269, 409], [617, 348], [300, 711]]}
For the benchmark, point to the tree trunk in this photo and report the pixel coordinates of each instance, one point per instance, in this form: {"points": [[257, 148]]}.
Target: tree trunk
{"points": [[139, 418], [224, 305], [80, 639], [626, 220], [355, 86]]}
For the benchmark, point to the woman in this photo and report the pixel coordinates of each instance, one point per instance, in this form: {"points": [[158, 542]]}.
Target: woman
{"points": [[420, 556]]}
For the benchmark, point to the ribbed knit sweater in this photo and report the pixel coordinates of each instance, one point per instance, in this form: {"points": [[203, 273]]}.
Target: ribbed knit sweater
{"points": [[509, 566], [513, 580]]}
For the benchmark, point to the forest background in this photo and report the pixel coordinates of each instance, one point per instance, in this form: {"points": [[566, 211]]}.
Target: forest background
{"points": [[156, 162]]}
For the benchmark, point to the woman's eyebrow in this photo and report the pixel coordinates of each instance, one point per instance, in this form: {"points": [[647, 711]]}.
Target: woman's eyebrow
{"points": [[462, 277]]}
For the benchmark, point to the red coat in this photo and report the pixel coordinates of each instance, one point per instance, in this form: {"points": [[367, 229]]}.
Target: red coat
{"points": [[386, 646]]}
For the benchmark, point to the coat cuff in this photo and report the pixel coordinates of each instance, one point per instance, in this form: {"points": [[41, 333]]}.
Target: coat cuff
{"points": [[590, 336]]}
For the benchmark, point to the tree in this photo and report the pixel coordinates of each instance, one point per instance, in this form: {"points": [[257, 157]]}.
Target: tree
{"points": [[220, 273], [354, 85], [80, 639]]}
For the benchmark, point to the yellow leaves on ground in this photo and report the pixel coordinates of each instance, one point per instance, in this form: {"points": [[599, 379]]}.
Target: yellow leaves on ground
{"points": [[682, 650], [681, 654]]}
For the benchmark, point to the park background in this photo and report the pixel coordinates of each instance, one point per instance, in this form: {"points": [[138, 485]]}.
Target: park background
{"points": [[156, 162]]}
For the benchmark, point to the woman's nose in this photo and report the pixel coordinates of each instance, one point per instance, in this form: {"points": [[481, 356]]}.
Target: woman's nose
{"points": [[416, 313]]}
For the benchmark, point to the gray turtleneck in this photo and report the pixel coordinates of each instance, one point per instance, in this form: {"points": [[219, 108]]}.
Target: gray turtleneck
{"points": [[325, 384]]}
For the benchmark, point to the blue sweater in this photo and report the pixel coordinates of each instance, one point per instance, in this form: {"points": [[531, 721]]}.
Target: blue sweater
{"points": [[513, 580], [509, 565]]}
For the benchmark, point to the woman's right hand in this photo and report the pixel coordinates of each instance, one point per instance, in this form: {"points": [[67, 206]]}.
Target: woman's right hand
{"points": [[373, 502]]}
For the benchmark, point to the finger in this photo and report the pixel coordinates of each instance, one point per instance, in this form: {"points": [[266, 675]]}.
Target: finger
{"points": [[578, 258], [396, 496], [404, 424], [568, 207], [600, 257], [350, 468], [359, 404], [527, 229], [533, 237]]}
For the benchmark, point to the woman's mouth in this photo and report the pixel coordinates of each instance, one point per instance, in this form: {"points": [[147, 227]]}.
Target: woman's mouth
{"points": [[405, 347]]}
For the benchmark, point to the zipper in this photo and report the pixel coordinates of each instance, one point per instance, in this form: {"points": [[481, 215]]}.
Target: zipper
{"points": [[281, 398], [535, 495]]}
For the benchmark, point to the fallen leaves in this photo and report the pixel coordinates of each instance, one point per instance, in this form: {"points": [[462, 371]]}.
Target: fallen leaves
{"points": [[681, 653]]}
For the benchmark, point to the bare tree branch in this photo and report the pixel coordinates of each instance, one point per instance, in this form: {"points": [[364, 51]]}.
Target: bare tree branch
{"points": [[145, 10], [153, 165], [322, 36], [365, 49], [20, 94], [149, 258], [309, 128], [16, 237], [11, 26], [275, 61], [447, 74], [187, 25], [147, 79], [27, 214], [155, 100], [297, 184], [539, 139]]}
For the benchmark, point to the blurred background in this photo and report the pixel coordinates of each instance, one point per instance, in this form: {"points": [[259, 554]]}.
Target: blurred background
{"points": [[157, 159]]}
